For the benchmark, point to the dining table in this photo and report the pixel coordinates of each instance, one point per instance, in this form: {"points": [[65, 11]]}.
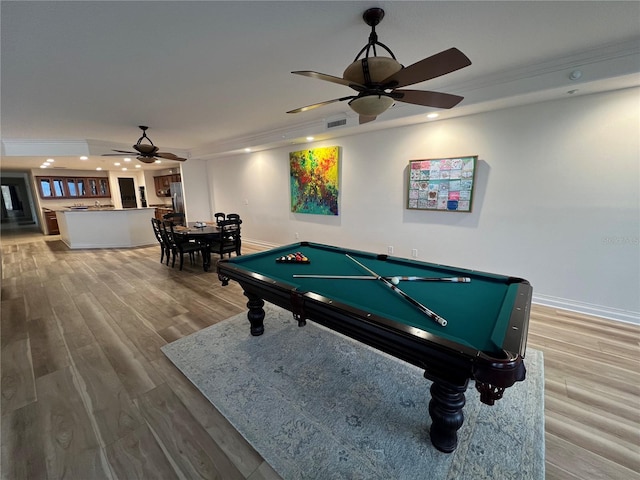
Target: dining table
{"points": [[205, 233]]}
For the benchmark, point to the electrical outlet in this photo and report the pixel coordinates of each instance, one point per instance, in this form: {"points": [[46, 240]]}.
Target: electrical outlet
{"points": [[390, 249], [297, 236], [414, 253]]}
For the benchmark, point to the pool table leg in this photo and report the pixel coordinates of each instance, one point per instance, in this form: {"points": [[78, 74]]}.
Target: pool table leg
{"points": [[445, 408], [255, 314]]}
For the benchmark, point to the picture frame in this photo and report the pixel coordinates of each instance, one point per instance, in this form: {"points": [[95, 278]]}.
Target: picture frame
{"points": [[314, 179], [442, 184]]}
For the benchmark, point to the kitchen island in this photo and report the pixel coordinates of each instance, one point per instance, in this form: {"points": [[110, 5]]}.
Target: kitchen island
{"points": [[106, 227]]}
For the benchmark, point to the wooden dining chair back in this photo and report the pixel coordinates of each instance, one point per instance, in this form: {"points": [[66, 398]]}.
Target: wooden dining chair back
{"points": [[167, 237], [181, 245], [219, 216], [229, 241], [164, 250], [233, 216]]}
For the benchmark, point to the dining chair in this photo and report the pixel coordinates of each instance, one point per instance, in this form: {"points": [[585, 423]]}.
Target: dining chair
{"points": [[219, 216], [170, 246], [233, 216], [181, 245], [229, 241], [155, 223]]}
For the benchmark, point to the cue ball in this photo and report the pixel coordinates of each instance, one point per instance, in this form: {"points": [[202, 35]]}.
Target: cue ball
{"points": [[395, 280]]}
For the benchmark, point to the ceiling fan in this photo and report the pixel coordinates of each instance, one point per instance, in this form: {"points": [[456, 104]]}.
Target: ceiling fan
{"points": [[377, 79], [147, 152]]}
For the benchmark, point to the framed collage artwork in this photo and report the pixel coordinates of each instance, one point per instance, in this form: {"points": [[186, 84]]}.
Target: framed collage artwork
{"points": [[442, 184]]}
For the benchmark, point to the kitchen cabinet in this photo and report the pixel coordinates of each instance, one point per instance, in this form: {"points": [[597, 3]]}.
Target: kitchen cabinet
{"points": [[163, 183], [51, 222], [160, 212], [51, 187], [73, 187]]}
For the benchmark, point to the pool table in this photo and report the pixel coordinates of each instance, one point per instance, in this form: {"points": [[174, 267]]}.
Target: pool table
{"points": [[484, 338]]}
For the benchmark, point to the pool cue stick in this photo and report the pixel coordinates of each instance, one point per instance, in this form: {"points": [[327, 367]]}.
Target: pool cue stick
{"points": [[430, 313], [433, 279], [400, 278]]}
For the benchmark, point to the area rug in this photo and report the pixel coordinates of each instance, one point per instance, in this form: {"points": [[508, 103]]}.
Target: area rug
{"points": [[318, 405]]}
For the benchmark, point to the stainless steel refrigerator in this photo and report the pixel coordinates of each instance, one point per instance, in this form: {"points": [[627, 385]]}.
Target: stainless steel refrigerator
{"points": [[177, 198]]}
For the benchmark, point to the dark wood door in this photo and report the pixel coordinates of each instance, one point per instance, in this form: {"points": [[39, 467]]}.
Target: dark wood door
{"points": [[127, 192]]}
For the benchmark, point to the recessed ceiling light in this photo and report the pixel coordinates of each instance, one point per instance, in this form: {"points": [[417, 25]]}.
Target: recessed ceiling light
{"points": [[433, 115], [575, 75], [247, 149], [99, 168], [84, 157], [309, 138], [117, 164]]}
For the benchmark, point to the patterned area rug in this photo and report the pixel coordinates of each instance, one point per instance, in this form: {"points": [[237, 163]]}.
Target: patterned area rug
{"points": [[317, 405]]}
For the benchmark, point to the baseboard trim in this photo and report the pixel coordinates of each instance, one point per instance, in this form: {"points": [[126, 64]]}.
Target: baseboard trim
{"points": [[620, 315], [261, 243]]}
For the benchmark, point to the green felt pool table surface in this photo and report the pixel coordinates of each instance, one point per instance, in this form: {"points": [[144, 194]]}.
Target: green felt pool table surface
{"points": [[478, 313]]}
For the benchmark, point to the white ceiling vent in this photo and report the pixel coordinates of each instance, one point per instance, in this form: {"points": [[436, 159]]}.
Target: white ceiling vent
{"points": [[336, 121]]}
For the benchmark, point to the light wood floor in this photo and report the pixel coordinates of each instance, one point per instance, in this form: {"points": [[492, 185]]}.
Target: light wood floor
{"points": [[87, 393]]}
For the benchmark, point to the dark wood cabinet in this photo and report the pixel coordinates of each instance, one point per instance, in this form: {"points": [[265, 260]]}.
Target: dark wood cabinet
{"points": [[163, 184], [51, 187], [160, 212], [51, 221], [73, 187]]}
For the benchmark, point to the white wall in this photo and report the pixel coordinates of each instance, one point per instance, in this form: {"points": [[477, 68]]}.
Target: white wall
{"points": [[197, 198], [556, 200]]}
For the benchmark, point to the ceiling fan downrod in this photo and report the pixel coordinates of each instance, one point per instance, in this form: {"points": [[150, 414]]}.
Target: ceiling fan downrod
{"points": [[373, 17], [144, 135]]}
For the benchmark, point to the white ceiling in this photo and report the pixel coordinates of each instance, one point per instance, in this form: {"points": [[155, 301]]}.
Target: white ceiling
{"points": [[211, 78]]}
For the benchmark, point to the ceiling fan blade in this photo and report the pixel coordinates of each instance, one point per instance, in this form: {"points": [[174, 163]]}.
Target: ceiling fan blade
{"points": [[330, 78], [321, 104], [147, 159], [426, 98], [366, 119], [434, 66], [170, 156]]}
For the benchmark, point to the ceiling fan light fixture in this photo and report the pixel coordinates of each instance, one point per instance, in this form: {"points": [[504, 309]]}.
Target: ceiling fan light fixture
{"points": [[379, 79], [371, 105], [371, 70]]}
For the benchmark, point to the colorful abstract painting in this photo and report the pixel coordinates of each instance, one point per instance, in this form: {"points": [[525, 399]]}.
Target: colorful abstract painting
{"points": [[314, 178]]}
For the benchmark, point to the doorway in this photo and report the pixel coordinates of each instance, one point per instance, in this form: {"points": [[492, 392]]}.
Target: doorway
{"points": [[16, 201], [127, 192]]}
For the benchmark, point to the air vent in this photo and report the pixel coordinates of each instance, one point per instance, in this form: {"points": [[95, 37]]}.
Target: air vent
{"points": [[337, 123]]}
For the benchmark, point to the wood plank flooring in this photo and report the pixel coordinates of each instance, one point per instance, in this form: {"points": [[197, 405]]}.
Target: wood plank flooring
{"points": [[86, 392]]}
